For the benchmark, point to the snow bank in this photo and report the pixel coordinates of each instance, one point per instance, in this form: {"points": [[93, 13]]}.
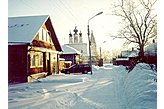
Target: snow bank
{"points": [[141, 89]]}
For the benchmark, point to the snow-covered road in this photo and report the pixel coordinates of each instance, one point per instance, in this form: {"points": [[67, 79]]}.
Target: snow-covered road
{"points": [[110, 87]]}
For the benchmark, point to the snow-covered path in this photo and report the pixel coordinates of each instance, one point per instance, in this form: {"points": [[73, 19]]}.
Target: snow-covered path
{"points": [[110, 87]]}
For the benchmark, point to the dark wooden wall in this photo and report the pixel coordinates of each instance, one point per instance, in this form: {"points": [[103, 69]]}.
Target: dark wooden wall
{"points": [[45, 68], [17, 63], [69, 57]]}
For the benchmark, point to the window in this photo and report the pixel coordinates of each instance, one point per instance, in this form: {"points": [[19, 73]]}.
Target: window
{"points": [[48, 38], [40, 34], [41, 59], [32, 60], [44, 35], [36, 59], [81, 51]]}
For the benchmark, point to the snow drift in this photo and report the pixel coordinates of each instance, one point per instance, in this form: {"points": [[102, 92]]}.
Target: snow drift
{"points": [[141, 88]]}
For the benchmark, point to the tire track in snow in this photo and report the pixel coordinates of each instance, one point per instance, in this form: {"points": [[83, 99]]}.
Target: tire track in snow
{"points": [[119, 88], [82, 88]]}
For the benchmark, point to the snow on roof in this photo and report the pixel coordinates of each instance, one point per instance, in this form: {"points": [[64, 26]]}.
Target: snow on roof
{"points": [[125, 53], [23, 29], [69, 50], [128, 53], [61, 59], [18, 43], [151, 49], [133, 54], [122, 59]]}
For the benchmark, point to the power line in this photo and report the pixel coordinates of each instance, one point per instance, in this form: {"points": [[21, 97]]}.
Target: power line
{"points": [[68, 10], [28, 4]]}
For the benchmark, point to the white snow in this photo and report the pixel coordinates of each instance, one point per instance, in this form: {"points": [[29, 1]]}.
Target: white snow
{"points": [[69, 50], [128, 53], [24, 28], [121, 59], [110, 87], [133, 54]]}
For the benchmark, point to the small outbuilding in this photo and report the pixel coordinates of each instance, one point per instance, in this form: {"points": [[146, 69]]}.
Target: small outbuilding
{"points": [[126, 58], [70, 55]]}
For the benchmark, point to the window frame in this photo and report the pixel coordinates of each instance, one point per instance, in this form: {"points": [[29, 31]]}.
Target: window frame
{"points": [[36, 59]]}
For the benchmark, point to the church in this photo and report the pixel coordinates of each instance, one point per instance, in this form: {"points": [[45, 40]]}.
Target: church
{"points": [[76, 41]]}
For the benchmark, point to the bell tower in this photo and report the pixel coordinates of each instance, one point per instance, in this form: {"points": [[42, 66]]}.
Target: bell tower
{"points": [[76, 37], [93, 43], [70, 38], [80, 38]]}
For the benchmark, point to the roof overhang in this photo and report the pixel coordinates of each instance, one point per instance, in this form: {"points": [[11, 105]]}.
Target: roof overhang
{"points": [[40, 49], [18, 43]]}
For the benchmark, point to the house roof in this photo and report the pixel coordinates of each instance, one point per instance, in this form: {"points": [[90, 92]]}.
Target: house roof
{"points": [[133, 54], [69, 50], [23, 29], [128, 53], [151, 50]]}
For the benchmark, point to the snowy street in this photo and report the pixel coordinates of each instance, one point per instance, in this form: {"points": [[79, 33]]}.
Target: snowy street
{"points": [[110, 87]]}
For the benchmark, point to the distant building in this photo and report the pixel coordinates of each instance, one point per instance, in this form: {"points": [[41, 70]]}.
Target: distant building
{"points": [[129, 53], [126, 58], [70, 55], [33, 48], [76, 42], [93, 48], [150, 53]]}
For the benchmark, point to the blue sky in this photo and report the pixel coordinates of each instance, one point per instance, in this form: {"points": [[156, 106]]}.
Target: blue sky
{"points": [[65, 14]]}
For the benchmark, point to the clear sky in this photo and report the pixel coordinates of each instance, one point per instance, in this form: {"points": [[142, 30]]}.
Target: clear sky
{"points": [[65, 14]]}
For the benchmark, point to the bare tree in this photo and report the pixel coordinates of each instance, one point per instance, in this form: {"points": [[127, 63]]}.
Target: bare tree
{"points": [[138, 20]]}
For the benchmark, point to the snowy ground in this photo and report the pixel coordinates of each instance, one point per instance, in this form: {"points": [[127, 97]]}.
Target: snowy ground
{"points": [[110, 87]]}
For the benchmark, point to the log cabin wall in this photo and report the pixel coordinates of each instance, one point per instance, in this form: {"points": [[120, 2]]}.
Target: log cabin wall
{"points": [[35, 62], [69, 57], [17, 63], [42, 40]]}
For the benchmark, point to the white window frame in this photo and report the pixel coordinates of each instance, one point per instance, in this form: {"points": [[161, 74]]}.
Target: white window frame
{"points": [[32, 60], [36, 59], [40, 34], [44, 36], [41, 59]]}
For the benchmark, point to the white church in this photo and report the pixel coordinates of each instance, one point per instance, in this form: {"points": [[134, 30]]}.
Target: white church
{"points": [[76, 41]]}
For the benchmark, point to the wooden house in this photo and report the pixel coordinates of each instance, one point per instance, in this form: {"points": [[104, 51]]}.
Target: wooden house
{"points": [[33, 47], [70, 54], [126, 58]]}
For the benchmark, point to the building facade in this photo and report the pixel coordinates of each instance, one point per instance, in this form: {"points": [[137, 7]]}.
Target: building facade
{"points": [[33, 48], [70, 55], [76, 41]]}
